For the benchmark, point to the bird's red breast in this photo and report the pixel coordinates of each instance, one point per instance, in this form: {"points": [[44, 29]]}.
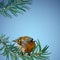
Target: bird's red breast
{"points": [[27, 43]]}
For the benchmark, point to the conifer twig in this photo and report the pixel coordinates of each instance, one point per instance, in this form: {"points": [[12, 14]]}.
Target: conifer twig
{"points": [[11, 51], [9, 7]]}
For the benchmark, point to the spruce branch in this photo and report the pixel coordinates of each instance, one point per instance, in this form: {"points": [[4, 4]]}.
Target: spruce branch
{"points": [[11, 51], [14, 6]]}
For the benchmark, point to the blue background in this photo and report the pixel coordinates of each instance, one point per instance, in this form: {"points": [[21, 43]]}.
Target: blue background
{"points": [[41, 22]]}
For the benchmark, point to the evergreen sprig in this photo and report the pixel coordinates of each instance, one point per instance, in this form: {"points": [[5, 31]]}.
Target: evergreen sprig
{"points": [[13, 6], [11, 51]]}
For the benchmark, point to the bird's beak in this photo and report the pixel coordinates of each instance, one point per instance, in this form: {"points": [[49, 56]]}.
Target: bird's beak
{"points": [[15, 41]]}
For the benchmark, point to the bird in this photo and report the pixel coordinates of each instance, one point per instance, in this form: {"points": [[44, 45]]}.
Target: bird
{"points": [[26, 44]]}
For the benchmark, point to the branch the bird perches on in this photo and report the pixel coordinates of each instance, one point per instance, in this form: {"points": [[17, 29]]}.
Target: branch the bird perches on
{"points": [[12, 52]]}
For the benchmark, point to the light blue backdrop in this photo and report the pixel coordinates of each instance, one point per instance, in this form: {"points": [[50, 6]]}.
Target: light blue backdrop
{"points": [[42, 22]]}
